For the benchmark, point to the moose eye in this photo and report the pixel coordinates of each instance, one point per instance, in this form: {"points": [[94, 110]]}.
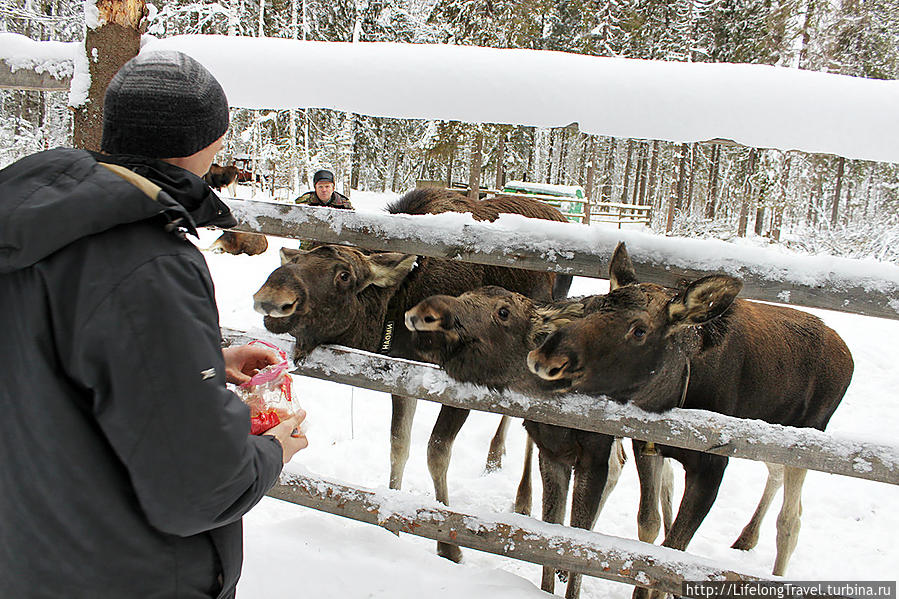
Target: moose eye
{"points": [[638, 332], [503, 313], [344, 276]]}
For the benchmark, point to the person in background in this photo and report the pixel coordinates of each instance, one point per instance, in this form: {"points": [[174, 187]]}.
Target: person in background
{"points": [[324, 193], [127, 463]]}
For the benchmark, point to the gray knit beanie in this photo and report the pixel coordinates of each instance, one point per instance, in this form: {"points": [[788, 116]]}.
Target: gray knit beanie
{"points": [[163, 105]]}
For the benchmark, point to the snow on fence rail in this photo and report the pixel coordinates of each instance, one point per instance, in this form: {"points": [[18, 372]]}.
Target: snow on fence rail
{"points": [[862, 287], [691, 429], [511, 535]]}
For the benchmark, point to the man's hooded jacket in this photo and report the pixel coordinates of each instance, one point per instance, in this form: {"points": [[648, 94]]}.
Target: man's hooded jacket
{"points": [[127, 464]]}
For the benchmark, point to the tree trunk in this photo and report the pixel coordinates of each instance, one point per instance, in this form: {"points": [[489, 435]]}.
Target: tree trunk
{"points": [[835, 210], [627, 171], [396, 167], [691, 181], [107, 48], [449, 166], [677, 202], [653, 173], [609, 172], [531, 175], [714, 167], [474, 169], [548, 173], [638, 172], [501, 159], [563, 155], [591, 173], [747, 194], [777, 223], [261, 32], [644, 175]]}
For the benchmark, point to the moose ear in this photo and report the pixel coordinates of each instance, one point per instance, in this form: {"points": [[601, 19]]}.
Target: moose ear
{"points": [[389, 268], [704, 299], [621, 269], [288, 254]]}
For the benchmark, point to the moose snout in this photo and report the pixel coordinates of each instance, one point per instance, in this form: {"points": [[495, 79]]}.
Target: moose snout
{"points": [[281, 302], [428, 315], [551, 368]]}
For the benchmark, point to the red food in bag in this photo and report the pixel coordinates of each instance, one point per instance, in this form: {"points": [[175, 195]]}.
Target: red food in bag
{"points": [[268, 394]]}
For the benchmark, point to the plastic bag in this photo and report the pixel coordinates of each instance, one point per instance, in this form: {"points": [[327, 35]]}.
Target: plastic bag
{"points": [[268, 394]]}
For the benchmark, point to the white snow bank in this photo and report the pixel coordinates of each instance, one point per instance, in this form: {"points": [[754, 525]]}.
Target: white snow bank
{"points": [[55, 58], [755, 105]]}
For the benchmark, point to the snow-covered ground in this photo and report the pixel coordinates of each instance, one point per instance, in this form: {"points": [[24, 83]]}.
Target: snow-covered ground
{"points": [[848, 524]]}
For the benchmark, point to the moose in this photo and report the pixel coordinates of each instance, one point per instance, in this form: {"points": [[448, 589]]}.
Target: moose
{"points": [[237, 242], [483, 337], [219, 176], [232, 242], [700, 347], [348, 296]]}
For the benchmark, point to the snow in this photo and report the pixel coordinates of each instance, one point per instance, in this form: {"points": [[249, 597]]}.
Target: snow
{"points": [[55, 58], [848, 528], [755, 105], [511, 233]]}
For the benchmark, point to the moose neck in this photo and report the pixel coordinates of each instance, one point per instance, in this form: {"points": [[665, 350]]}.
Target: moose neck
{"points": [[665, 389]]}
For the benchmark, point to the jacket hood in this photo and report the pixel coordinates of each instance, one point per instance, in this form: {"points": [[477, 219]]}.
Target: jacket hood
{"points": [[50, 199]]}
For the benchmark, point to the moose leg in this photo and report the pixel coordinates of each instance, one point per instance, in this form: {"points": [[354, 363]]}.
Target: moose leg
{"points": [[400, 437], [703, 478], [788, 519], [750, 535], [498, 446], [649, 472], [523, 498], [556, 476], [666, 496], [595, 475], [440, 449]]}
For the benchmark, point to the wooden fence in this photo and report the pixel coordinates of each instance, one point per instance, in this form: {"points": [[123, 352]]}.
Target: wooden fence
{"points": [[582, 251], [512, 535], [620, 214]]}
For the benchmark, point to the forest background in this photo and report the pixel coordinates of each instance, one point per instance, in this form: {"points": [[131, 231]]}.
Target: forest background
{"points": [[809, 202]]}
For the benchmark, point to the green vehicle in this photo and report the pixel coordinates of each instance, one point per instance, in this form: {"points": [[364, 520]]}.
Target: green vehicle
{"points": [[569, 199]]}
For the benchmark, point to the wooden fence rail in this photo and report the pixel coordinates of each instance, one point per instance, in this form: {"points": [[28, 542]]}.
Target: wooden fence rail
{"points": [[29, 79], [691, 429], [511, 535], [569, 248]]}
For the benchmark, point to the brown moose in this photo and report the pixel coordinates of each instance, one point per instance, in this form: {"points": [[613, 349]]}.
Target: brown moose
{"points": [[700, 347], [341, 295], [484, 337], [236, 242], [220, 176]]}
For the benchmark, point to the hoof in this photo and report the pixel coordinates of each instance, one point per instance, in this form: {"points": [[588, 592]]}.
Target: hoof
{"points": [[450, 552], [494, 464], [744, 543]]}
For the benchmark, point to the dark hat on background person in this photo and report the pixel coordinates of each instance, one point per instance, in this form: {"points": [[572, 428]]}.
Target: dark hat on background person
{"points": [[322, 175], [163, 105]]}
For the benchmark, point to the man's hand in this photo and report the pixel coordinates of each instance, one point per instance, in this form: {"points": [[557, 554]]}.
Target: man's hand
{"points": [[243, 361], [289, 436]]}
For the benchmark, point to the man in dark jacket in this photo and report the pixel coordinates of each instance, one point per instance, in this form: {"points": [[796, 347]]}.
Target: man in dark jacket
{"points": [[324, 193], [127, 464]]}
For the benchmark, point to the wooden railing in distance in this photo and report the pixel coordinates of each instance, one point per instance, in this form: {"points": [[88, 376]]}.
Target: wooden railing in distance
{"points": [[691, 429], [29, 79], [520, 249], [510, 535], [611, 212]]}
